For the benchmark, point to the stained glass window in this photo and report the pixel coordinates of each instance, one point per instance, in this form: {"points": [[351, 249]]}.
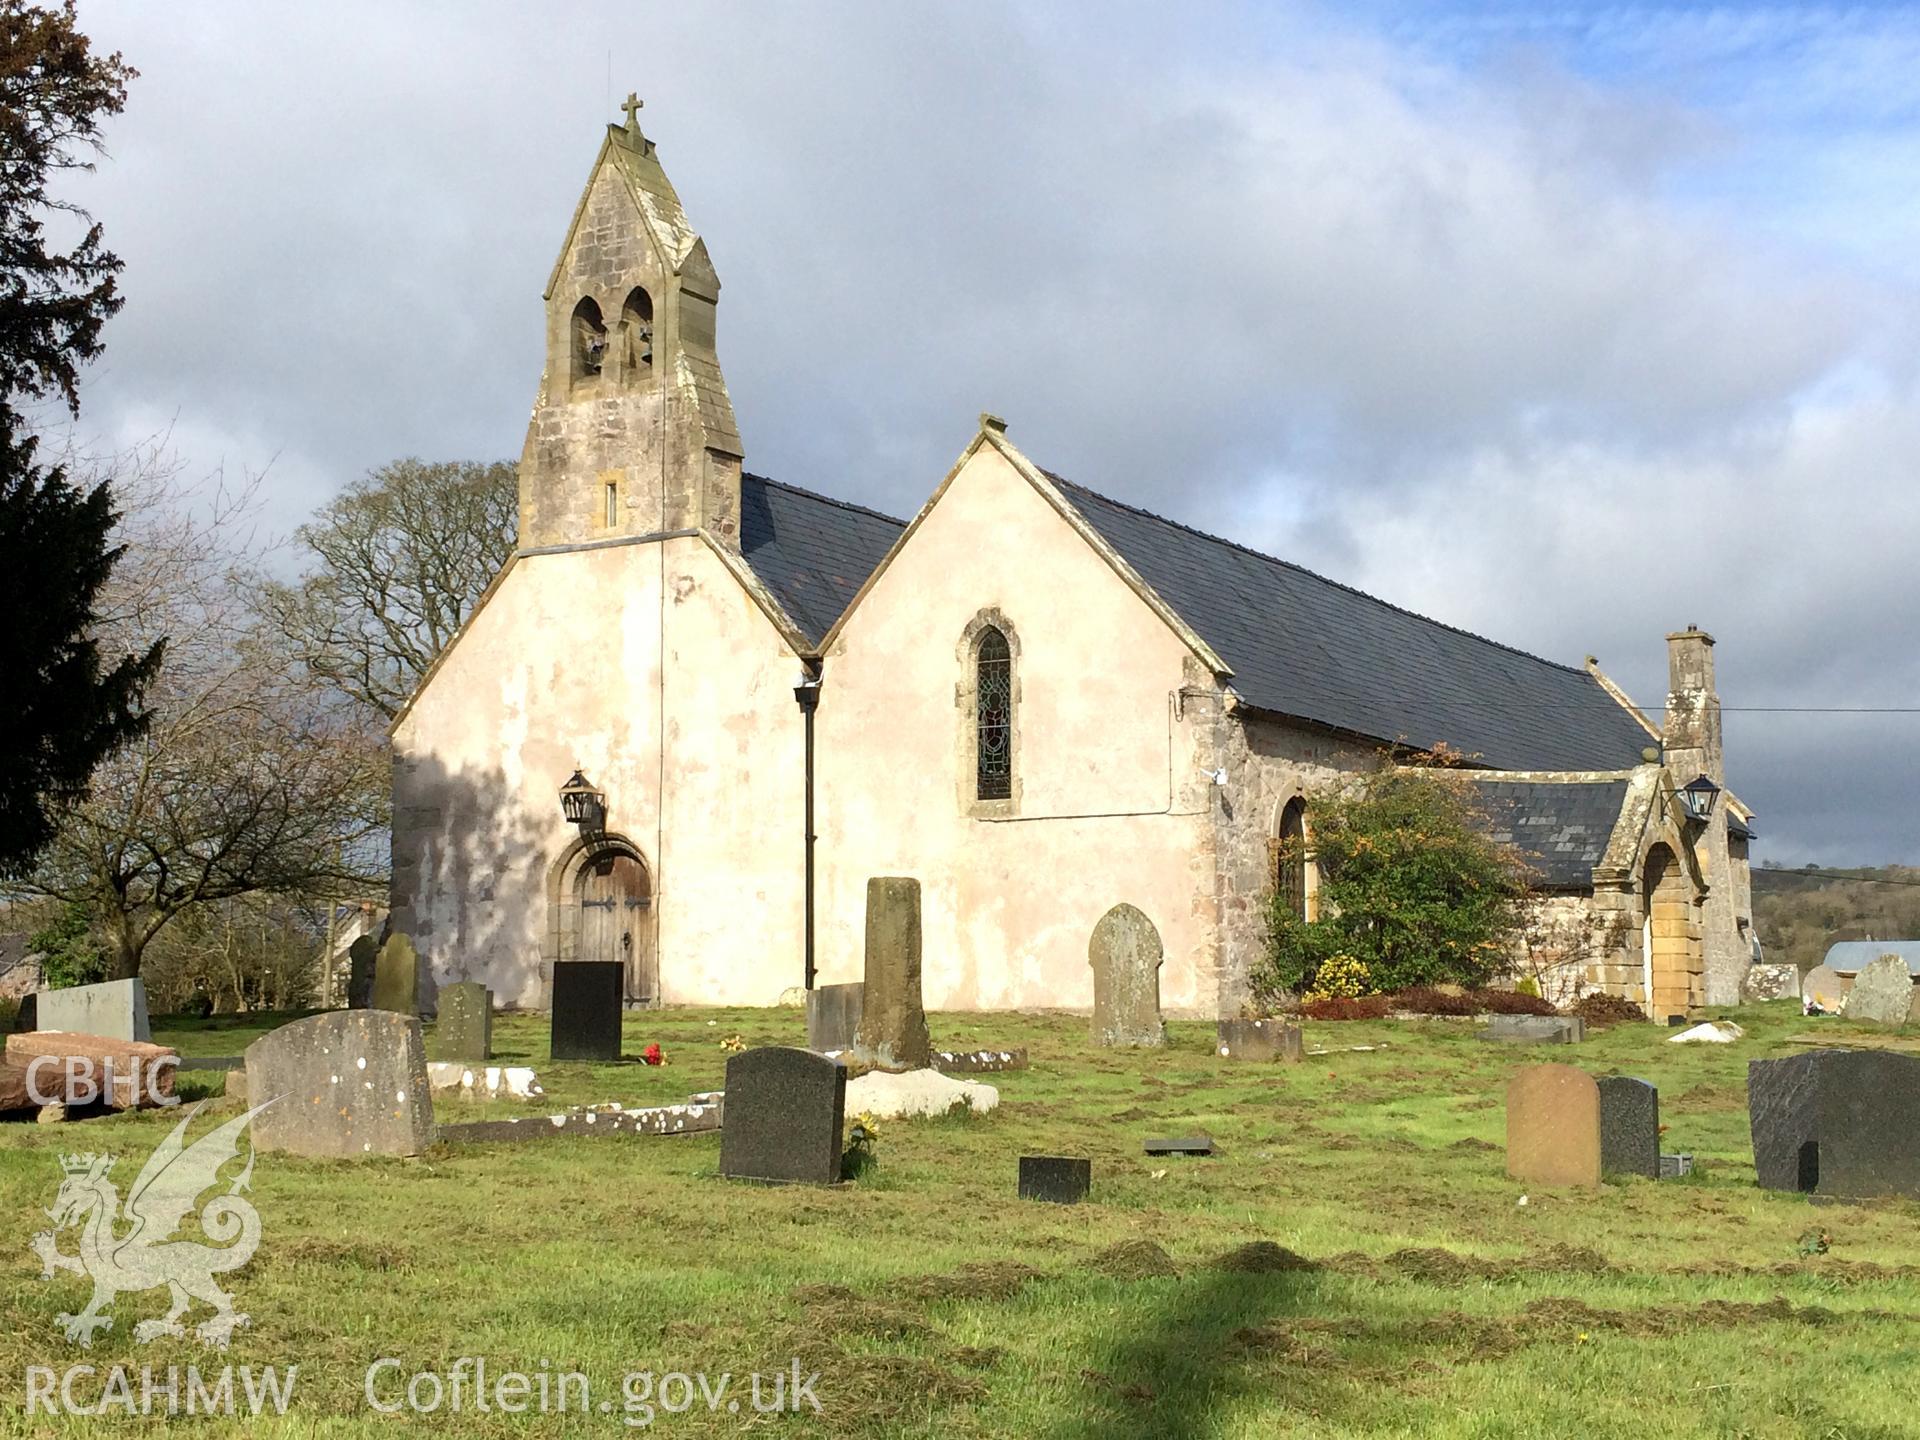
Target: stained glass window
{"points": [[993, 716]]}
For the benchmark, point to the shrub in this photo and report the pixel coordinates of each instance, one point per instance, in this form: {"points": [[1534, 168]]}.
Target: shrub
{"points": [[9, 1016], [1512, 1002], [1411, 887], [1526, 985], [1364, 1007], [1425, 1000], [1340, 977], [1600, 1009]]}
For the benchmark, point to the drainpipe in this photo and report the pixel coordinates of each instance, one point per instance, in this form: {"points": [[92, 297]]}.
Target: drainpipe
{"points": [[807, 692]]}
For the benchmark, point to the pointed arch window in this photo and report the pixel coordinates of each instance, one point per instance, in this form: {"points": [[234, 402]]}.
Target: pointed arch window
{"points": [[993, 716], [1291, 865], [589, 338]]}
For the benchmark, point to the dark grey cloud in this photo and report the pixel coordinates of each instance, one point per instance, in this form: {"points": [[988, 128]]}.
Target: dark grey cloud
{"points": [[1485, 335]]}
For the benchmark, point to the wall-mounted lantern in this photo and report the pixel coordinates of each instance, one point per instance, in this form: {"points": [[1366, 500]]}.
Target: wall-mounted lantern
{"points": [[582, 804], [1697, 797]]}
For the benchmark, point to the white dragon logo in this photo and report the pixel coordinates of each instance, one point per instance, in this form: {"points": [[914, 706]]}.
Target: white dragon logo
{"points": [[146, 1257]]}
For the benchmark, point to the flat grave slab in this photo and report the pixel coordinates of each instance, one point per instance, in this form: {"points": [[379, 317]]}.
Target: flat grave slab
{"points": [[1181, 1145]]}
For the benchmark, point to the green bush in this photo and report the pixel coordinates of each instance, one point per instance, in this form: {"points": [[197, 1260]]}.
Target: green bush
{"points": [[1412, 889], [69, 953]]}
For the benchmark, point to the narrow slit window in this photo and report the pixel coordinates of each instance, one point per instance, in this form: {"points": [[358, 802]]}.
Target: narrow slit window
{"points": [[1291, 876], [613, 504], [993, 717]]}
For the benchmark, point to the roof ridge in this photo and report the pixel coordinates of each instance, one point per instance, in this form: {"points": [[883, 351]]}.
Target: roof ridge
{"points": [[1315, 575], [824, 499]]}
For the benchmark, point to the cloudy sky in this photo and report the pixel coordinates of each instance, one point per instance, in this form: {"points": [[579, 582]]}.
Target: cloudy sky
{"points": [[1570, 325]]}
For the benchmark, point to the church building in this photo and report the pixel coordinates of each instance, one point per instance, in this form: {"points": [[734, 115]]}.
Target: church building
{"points": [[699, 709]]}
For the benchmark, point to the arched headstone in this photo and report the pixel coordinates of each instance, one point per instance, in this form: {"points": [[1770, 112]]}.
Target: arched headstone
{"points": [[362, 957], [396, 977], [344, 1084], [1125, 954], [785, 1111], [1882, 992], [1825, 988]]}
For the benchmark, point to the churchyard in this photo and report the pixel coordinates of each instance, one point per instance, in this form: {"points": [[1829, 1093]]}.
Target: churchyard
{"points": [[1353, 1260]]}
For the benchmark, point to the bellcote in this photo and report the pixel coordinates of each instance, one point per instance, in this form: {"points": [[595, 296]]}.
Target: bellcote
{"points": [[633, 431]]}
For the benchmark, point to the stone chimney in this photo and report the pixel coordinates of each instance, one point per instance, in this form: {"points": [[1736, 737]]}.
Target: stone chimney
{"points": [[1692, 729]]}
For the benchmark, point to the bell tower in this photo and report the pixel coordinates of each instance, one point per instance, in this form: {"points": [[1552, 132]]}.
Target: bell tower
{"points": [[632, 431]]}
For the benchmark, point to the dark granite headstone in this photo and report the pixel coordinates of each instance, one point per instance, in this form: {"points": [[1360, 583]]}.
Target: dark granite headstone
{"points": [[464, 1029], [1181, 1145], [784, 1118], [344, 1084], [586, 1009], [363, 957], [833, 1016], [1553, 1126], [1629, 1127], [396, 977], [1841, 1123], [1258, 1040], [29, 1018], [1061, 1179]]}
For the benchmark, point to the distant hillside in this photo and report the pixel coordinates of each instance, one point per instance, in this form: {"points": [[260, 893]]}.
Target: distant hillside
{"points": [[1799, 915]]}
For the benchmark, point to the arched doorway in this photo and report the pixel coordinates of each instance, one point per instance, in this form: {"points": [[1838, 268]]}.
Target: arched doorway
{"points": [[613, 898], [1674, 965]]}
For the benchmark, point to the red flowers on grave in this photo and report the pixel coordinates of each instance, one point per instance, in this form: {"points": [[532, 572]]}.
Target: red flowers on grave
{"points": [[654, 1055]]}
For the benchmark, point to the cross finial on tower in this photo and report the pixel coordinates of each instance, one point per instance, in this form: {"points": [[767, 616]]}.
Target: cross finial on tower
{"points": [[633, 107]]}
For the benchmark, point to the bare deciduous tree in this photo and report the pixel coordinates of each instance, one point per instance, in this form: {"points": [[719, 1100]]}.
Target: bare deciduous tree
{"points": [[394, 567], [248, 779]]}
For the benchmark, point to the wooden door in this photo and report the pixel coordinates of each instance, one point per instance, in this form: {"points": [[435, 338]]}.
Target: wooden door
{"points": [[616, 917]]}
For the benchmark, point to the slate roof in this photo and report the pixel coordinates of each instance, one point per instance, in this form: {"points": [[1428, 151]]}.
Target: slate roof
{"points": [[1850, 957], [1560, 826], [1306, 646], [811, 552]]}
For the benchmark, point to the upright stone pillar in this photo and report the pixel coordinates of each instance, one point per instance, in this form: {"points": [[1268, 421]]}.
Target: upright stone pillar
{"points": [[893, 1023]]}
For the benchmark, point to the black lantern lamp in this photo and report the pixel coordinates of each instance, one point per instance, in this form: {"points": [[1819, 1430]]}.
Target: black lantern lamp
{"points": [[1697, 797], [582, 804]]}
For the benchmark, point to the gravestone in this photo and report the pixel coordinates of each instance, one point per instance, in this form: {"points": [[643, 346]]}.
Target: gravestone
{"points": [[1535, 1030], [1553, 1126], [833, 1016], [1675, 1167], [892, 1032], [1840, 1123], [345, 1084], [1629, 1127], [1180, 1145], [1882, 992], [1125, 953], [116, 1009], [464, 1028], [785, 1110], [1824, 989], [28, 1017], [1059, 1179], [362, 958], [1771, 981], [396, 977], [586, 1010], [90, 1069], [1261, 1040]]}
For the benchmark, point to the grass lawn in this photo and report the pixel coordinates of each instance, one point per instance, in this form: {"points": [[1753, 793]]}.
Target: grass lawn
{"points": [[1354, 1263]]}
